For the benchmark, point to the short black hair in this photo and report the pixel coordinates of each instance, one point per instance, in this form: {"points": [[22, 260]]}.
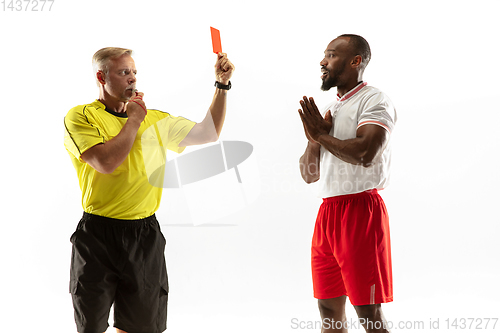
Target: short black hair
{"points": [[360, 46]]}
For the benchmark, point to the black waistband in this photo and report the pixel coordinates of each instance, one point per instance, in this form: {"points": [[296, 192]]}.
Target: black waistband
{"points": [[109, 220]]}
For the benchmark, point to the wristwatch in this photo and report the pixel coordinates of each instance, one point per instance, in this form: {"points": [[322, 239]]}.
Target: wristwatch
{"points": [[223, 86]]}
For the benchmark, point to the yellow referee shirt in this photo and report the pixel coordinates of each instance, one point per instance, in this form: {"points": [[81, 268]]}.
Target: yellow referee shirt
{"points": [[127, 192]]}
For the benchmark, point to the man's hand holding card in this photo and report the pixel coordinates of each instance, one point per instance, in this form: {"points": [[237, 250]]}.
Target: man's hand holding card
{"points": [[223, 67]]}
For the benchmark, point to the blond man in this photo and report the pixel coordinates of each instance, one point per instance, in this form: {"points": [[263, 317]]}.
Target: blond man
{"points": [[118, 248]]}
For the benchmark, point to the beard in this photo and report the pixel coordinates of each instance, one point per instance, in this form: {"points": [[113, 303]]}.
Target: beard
{"points": [[328, 83], [333, 78]]}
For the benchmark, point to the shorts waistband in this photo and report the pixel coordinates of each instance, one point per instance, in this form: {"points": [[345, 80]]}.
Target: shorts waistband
{"points": [[109, 220], [350, 196]]}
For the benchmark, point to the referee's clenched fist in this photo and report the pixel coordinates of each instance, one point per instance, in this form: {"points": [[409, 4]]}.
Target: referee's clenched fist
{"points": [[136, 108], [223, 68]]}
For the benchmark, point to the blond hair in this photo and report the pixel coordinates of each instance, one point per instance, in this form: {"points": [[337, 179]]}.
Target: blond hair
{"points": [[102, 57]]}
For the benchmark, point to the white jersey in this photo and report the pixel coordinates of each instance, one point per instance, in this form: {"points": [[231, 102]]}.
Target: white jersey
{"points": [[361, 106]]}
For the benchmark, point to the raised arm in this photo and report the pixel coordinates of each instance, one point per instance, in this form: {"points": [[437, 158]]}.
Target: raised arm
{"points": [[210, 128]]}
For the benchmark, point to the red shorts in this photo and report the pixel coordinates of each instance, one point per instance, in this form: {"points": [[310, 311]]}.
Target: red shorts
{"points": [[351, 250]]}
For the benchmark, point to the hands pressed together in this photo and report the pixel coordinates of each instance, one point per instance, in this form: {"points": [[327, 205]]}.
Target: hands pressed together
{"points": [[314, 124]]}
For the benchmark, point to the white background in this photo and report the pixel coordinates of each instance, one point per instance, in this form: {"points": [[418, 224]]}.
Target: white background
{"points": [[437, 60]]}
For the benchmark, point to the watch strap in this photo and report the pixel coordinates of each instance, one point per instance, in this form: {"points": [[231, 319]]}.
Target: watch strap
{"points": [[223, 86]]}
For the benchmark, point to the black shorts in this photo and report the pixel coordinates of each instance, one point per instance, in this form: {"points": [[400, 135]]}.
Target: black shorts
{"points": [[120, 262]]}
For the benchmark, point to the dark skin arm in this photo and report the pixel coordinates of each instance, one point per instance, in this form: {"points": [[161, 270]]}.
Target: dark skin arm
{"points": [[309, 162], [369, 142]]}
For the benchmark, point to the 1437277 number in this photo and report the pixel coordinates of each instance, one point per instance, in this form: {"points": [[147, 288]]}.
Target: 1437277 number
{"points": [[27, 5]]}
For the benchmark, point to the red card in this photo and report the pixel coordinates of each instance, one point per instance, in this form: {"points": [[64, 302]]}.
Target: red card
{"points": [[216, 40]]}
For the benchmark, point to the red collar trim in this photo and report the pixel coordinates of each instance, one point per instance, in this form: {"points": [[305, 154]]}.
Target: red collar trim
{"points": [[352, 92]]}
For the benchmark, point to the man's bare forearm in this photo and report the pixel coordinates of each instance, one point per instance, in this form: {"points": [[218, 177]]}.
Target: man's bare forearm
{"points": [[106, 157], [209, 129], [362, 150], [309, 163], [218, 109]]}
